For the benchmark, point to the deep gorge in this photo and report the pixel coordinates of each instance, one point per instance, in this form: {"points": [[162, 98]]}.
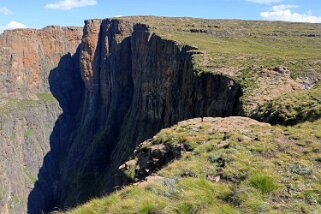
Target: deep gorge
{"points": [[122, 86]]}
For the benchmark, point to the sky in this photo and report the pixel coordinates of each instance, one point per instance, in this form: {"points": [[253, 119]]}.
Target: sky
{"points": [[41, 13]]}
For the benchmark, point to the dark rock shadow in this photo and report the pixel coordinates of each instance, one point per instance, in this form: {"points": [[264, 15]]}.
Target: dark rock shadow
{"points": [[67, 87]]}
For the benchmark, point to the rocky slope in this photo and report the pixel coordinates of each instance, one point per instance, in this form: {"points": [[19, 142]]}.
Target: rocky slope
{"points": [[28, 111]]}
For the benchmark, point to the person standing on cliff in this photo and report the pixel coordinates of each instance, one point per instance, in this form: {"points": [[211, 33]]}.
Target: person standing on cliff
{"points": [[202, 111]]}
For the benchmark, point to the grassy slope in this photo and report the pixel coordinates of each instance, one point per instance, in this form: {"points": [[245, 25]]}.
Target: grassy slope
{"points": [[292, 108], [9, 105], [266, 169], [239, 44]]}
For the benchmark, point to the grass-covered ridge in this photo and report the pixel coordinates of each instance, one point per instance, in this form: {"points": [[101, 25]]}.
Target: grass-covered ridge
{"points": [[237, 49], [292, 108], [237, 44], [231, 165]]}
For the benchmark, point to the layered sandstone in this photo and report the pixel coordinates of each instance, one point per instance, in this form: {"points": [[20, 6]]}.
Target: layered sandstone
{"points": [[28, 55], [29, 114]]}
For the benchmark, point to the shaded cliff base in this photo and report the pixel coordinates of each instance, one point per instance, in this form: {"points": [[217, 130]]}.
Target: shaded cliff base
{"points": [[28, 109], [24, 129]]}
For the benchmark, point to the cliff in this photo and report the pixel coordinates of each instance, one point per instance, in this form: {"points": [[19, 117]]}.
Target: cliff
{"points": [[28, 110], [127, 79], [136, 83], [27, 56]]}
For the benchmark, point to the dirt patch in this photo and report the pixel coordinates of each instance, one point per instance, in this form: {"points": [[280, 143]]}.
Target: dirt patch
{"points": [[270, 85]]}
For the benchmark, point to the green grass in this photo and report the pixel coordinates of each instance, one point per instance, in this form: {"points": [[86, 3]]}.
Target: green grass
{"points": [[2, 194], [28, 133], [31, 178], [292, 108], [257, 175], [46, 97], [240, 44], [264, 183], [10, 105]]}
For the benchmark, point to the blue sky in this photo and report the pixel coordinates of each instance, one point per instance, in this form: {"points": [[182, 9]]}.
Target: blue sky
{"points": [[40, 13]]}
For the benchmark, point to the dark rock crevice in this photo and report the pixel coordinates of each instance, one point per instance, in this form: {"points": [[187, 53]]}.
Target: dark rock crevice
{"points": [[67, 87], [134, 83]]}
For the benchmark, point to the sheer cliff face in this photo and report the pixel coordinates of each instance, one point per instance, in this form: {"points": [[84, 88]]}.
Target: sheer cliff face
{"points": [[28, 111], [27, 56], [135, 84]]}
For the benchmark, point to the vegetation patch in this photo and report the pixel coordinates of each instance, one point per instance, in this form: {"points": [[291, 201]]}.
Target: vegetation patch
{"points": [[264, 183], [248, 169], [292, 108], [28, 133], [46, 97]]}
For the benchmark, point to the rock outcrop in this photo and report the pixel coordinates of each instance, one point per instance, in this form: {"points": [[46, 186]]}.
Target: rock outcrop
{"points": [[29, 114], [154, 154]]}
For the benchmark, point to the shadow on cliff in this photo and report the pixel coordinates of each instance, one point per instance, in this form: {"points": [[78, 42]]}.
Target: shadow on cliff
{"points": [[67, 87], [127, 104]]}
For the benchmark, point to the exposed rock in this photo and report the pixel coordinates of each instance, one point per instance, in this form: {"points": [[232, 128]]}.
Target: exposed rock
{"points": [[28, 111], [28, 55], [136, 84], [301, 170], [280, 70], [149, 180], [24, 143], [272, 84]]}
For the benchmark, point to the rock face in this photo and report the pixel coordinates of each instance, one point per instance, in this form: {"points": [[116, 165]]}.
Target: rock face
{"points": [[30, 116], [136, 83], [27, 56]]}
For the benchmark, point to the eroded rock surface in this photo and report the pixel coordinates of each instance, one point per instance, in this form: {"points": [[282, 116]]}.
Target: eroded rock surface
{"points": [[28, 55], [28, 111]]}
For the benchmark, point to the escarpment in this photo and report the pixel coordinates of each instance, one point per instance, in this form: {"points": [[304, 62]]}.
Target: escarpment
{"points": [[136, 83], [28, 110], [28, 55], [75, 102]]}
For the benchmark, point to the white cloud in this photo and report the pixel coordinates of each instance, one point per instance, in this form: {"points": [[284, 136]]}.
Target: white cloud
{"points": [[5, 11], [71, 4], [265, 1], [284, 7], [12, 25], [284, 13]]}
